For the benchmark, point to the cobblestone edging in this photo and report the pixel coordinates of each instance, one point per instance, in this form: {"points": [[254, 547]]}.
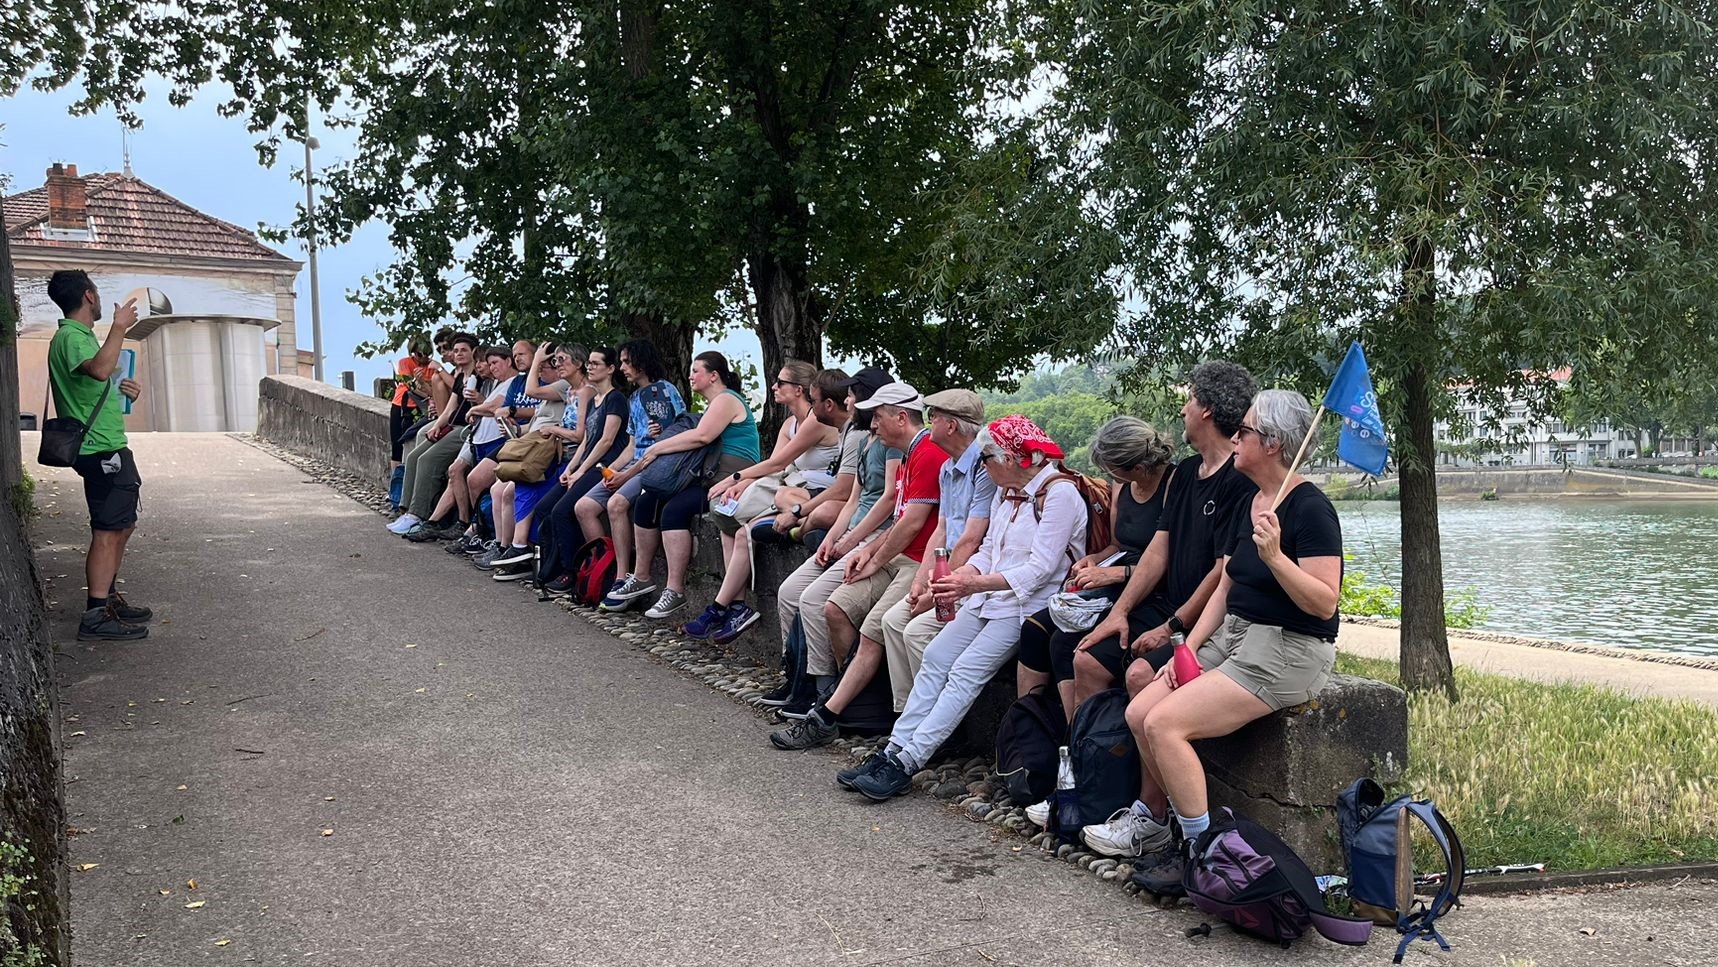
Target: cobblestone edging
{"points": [[963, 784], [1656, 657]]}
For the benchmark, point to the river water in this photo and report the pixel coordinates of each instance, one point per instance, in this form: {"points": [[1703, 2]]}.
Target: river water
{"points": [[1622, 573]]}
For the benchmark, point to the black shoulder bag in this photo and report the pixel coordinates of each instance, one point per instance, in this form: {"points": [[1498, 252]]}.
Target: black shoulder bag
{"points": [[63, 436]]}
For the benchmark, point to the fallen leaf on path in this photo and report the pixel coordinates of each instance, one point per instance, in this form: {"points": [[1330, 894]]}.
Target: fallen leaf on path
{"points": [[222, 943], [421, 691], [190, 884], [86, 867], [327, 798], [328, 832], [183, 788], [195, 904], [165, 892], [1588, 931], [411, 645]]}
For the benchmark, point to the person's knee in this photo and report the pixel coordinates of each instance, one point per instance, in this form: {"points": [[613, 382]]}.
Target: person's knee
{"points": [[1139, 674], [835, 617], [1160, 727], [1087, 668]]}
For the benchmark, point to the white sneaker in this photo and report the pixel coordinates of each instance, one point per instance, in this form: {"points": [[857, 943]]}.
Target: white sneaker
{"points": [[1126, 834], [1038, 814], [404, 523]]}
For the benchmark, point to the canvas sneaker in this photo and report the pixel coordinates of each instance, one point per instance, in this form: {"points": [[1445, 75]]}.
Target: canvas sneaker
{"points": [[776, 697], [810, 732], [513, 570], [1126, 834], [103, 624], [487, 559], [559, 587], [705, 625], [740, 616], [629, 589], [514, 555], [1038, 814], [403, 523], [670, 602]]}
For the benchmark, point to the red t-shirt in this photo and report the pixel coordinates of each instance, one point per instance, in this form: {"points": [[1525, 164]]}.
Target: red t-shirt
{"points": [[917, 482], [408, 367]]}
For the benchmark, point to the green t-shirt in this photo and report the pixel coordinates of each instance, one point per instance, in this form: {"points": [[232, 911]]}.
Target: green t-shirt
{"points": [[75, 394]]}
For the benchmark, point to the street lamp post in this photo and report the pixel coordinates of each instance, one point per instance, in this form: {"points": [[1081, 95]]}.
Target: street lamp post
{"points": [[310, 240]]}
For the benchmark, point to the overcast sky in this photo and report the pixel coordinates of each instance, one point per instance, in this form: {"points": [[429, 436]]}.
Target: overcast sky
{"points": [[209, 162]]}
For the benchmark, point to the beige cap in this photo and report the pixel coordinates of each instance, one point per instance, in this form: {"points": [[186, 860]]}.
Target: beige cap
{"points": [[962, 404]]}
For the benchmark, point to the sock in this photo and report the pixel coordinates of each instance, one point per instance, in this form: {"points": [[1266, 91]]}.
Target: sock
{"points": [[521, 547], [1141, 809], [908, 763], [94, 604], [1192, 826], [822, 714]]}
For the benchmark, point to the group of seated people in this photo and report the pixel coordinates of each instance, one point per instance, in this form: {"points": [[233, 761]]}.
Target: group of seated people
{"points": [[1228, 548]]}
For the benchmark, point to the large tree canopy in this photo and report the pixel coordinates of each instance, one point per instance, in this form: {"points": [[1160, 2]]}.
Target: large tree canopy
{"points": [[1473, 190]]}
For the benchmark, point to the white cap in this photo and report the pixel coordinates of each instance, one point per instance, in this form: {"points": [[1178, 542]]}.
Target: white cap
{"points": [[895, 394]]}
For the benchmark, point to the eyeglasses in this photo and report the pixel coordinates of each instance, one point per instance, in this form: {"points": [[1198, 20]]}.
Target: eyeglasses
{"points": [[787, 382], [1244, 429]]}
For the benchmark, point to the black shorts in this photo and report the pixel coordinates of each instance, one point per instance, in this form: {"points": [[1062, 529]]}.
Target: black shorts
{"points": [[1114, 654], [112, 496]]}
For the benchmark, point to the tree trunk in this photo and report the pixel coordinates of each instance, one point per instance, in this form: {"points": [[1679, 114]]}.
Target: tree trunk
{"points": [[673, 342], [11, 447], [1425, 658], [789, 324]]}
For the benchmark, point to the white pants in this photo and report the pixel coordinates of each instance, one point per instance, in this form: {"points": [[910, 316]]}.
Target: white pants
{"points": [[960, 661], [905, 638]]}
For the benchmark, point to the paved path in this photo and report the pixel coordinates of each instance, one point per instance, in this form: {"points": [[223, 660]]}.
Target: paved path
{"points": [[521, 789]]}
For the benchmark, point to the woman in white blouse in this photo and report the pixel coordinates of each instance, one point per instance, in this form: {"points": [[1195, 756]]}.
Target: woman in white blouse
{"points": [[1037, 528]]}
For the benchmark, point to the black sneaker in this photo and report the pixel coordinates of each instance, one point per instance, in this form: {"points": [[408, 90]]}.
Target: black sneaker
{"points": [[464, 543], [846, 777], [808, 733], [491, 553], [127, 613], [778, 696], [888, 780], [559, 587], [513, 571], [513, 555], [1162, 873], [103, 624]]}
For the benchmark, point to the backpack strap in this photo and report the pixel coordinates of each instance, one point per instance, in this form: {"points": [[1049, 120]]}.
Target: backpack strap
{"points": [[1044, 492], [1420, 924]]}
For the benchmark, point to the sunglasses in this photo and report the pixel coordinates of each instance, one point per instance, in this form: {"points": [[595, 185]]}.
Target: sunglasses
{"points": [[1244, 429], [786, 382]]}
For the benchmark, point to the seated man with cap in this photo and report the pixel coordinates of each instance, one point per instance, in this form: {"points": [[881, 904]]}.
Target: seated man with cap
{"points": [[955, 417], [879, 574]]}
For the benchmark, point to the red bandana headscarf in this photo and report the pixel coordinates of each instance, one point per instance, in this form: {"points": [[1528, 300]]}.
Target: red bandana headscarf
{"points": [[1020, 438]]}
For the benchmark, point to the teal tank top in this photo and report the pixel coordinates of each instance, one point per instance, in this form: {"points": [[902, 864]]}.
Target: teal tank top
{"points": [[741, 439]]}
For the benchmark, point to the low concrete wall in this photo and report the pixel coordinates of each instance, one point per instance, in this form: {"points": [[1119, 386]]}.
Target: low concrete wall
{"points": [[32, 792], [326, 423]]}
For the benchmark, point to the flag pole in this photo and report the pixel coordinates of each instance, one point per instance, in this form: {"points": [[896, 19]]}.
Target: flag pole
{"points": [[1311, 434]]}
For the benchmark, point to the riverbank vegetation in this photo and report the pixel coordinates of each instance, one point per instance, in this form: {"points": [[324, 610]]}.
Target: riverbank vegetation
{"points": [[1363, 599], [1573, 776]]}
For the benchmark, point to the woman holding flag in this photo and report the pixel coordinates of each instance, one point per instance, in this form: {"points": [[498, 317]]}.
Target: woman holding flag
{"points": [[1266, 640]]}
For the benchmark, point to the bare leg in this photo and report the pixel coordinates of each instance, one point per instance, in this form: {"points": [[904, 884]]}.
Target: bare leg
{"points": [[841, 632], [501, 507], [522, 529], [866, 661], [737, 551], [1139, 675], [106, 550], [1150, 786], [592, 520], [677, 550], [455, 486], [1090, 677], [649, 538], [1026, 679], [1210, 705], [620, 526], [823, 517]]}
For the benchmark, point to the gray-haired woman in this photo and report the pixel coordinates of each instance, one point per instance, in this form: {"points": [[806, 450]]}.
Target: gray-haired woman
{"points": [[1266, 640]]}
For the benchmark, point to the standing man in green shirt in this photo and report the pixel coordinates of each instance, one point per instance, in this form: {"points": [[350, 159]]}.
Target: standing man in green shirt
{"points": [[79, 369]]}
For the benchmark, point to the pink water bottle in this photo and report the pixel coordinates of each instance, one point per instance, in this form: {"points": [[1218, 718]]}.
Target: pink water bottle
{"points": [[945, 612], [1186, 665]]}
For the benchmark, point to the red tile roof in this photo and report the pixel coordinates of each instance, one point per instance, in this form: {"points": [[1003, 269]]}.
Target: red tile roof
{"points": [[129, 215]]}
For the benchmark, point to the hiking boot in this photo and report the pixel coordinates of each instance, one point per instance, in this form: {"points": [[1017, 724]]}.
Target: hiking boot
{"points": [[1162, 875], [103, 624], [1038, 814], [776, 697], [464, 543], [403, 523], [1126, 834], [670, 602], [810, 732], [490, 555], [740, 616], [705, 625], [888, 780], [847, 777], [559, 587], [423, 533], [127, 613], [513, 555], [513, 570]]}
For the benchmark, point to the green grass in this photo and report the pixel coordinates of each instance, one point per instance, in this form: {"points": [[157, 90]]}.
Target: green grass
{"points": [[1573, 776]]}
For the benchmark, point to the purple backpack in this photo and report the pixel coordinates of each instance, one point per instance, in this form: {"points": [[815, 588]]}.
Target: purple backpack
{"points": [[1246, 875]]}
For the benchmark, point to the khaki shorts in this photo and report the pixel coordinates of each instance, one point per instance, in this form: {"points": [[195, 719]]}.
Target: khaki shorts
{"points": [[1282, 668], [874, 595]]}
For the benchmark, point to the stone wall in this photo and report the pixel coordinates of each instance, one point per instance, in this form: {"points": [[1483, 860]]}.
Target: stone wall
{"points": [[345, 429], [32, 801]]}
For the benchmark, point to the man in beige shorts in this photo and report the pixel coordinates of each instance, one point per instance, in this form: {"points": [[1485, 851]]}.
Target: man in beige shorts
{"points": [[879, 574]]}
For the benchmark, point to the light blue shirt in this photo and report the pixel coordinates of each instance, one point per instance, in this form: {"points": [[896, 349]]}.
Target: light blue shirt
{"points": [[967, 491]]}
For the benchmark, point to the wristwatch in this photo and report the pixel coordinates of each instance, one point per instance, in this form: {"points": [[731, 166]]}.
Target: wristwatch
{"points": [[737, 476], [795, 511], [1176, 627]]}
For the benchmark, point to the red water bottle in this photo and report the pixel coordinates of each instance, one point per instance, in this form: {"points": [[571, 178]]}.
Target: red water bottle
{"points": [[1186, 665], [945, 612]]}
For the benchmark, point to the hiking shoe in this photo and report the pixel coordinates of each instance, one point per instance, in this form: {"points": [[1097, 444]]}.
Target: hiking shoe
{"points": [[514, 555], [888, 780], [403, 523], [629, 589], [490, 555], [847, 777], [127, 613], [670, 602], [776, 697], [453, 530], [1038, 814], [810, 732], [559, 587], [1126, 834], [513, 570], [464, 543], [423, 533], [103, 624], [740, 616], [705, 625], [1163, 875], [482, 546]]}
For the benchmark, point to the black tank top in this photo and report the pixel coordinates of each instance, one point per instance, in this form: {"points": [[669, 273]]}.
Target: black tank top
{"points": [[1136, 521]]}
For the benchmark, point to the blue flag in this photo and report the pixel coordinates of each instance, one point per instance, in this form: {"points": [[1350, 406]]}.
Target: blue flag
{"points": [[1362, 443]]}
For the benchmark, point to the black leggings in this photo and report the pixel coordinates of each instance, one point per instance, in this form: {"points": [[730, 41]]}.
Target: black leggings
{"points": [[399, 418], [673, 513], [1044, 648]]}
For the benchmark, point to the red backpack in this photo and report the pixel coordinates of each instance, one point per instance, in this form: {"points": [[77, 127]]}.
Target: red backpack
{"points": [[593, 571]]}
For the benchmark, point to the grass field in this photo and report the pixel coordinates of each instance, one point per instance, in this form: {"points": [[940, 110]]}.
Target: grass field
{"points": [[1573, 776]]}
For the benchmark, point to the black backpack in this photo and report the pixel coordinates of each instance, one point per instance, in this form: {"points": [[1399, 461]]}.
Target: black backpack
{"points": [[1105, 756], [1027, 741]]}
